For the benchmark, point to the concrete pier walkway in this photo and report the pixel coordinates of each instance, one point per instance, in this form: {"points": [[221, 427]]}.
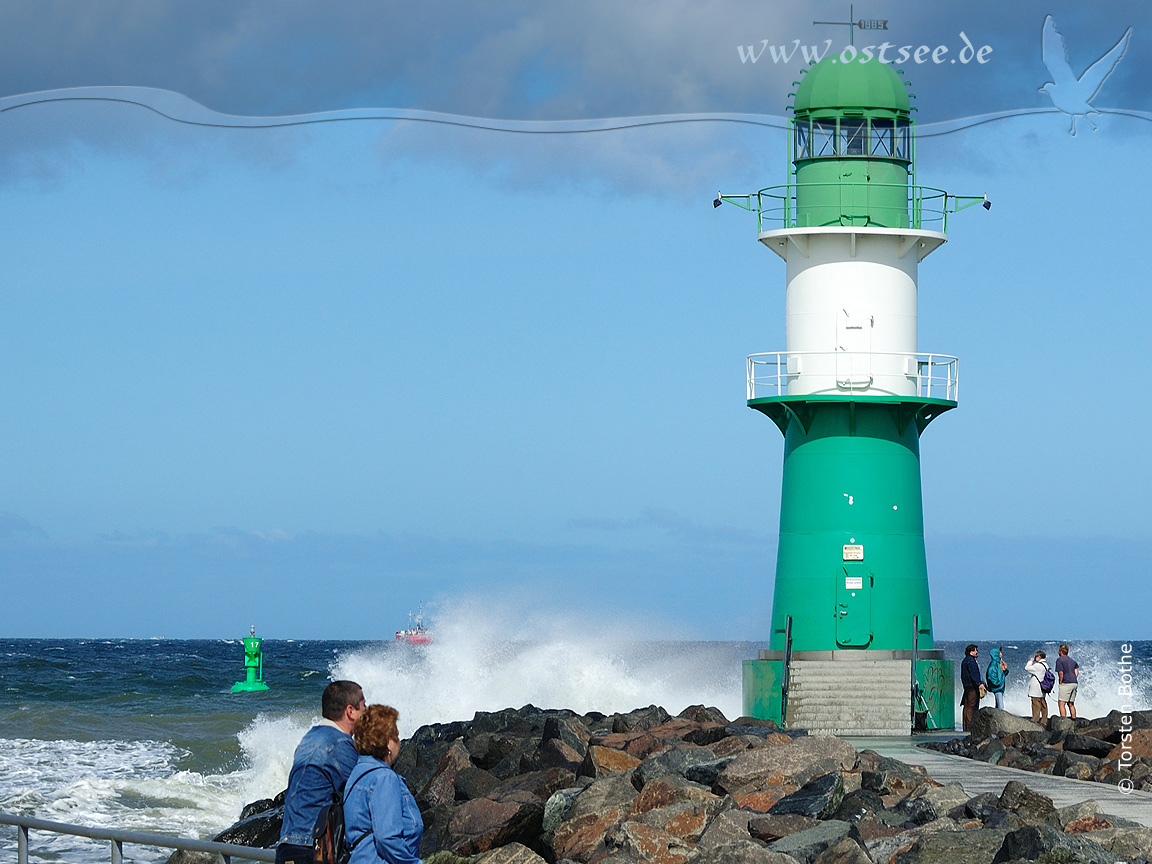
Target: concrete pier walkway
{"points": [[976, 777]]}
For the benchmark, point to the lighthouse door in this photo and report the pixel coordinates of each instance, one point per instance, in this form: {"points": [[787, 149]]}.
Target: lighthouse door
{"points": [[853, 349], [853, 605]]}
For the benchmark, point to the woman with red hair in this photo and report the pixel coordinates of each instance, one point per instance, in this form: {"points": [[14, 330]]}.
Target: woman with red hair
{"points": [[381, 820]]}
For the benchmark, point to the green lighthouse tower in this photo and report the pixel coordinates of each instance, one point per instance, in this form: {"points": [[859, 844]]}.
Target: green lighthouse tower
{"points": [[850, 646]]}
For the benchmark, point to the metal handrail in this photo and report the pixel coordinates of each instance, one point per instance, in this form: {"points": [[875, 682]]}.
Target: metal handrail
{"points": [[936, 375], [784, 681], [117, 839], [925, 206]]}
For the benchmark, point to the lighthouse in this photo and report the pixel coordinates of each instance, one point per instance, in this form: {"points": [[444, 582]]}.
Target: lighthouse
{"points": [[850, 648]]}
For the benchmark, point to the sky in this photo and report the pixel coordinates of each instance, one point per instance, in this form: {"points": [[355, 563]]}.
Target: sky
{"points": [[307, 375]]}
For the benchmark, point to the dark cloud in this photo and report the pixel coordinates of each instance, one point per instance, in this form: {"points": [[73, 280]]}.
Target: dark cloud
{"points": [[550, 60]]}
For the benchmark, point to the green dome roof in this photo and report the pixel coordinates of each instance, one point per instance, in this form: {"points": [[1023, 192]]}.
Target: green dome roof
{"points": [[832, 84]]}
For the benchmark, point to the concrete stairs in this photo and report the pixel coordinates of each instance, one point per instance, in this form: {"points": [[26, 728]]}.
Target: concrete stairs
{"points": [[851, 697]]}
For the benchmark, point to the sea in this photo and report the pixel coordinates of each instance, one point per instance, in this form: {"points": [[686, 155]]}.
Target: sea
{"points": [[146, 735]]}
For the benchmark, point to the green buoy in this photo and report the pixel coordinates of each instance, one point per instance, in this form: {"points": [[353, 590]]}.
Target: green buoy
{"points": [[253, 665]]}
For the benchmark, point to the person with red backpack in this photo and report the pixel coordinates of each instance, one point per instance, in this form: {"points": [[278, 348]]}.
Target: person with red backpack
{"points": [[1040, 683]]}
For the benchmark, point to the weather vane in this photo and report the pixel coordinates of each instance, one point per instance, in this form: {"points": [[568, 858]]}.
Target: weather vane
{"points": [[863, 24]]}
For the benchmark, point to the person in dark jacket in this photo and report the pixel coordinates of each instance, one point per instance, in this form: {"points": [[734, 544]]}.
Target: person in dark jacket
{"points": [[997, 676], [970, 681]]}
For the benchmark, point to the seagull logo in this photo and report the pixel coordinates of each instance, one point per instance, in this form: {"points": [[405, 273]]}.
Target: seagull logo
{"points": [[1070, 94]]}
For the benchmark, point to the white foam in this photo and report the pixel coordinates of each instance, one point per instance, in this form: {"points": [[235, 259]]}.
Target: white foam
{"points": [[489, 655]]}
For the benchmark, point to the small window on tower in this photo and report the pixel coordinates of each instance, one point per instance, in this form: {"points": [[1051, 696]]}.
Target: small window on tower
{"points": [[903, 140], [852, 137], [824, 138], [803, 139], [883, 138]]}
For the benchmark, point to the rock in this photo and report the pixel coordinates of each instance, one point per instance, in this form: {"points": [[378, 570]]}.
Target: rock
{"points": [[673, 762], [602, 761], [256, 807], [472, 782], [261, 830], [762, 801], [805, 845], [928, 803], [874, 826], [641, 718], [554, 753], [1063, 725], [741, 852], [817, 799], [1085, 824], [770, 828], [989, 750], [1086, 745], [735, 744], [1033, 842], [1004, 821], [613, 791], [670, 789], [558, 806], [1127, 842], [567, 729], [884, 849], [483, 824], [700, 714], [731, 826], [892, 777], [983, 805], [1075, 766], [847, 851], [760, 767], [533, 785], [1032, 807], [645, 843], [1077, 811], [707, 772], [856, 804], [441, 786], [953, 847], [513, 853], [995, 723], [686, 819], [581, 838], [420, 755], [1138, 747], [185, 856]]}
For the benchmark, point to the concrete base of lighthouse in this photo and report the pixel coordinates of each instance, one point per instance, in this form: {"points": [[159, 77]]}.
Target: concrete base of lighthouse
{"points": [[850, 692]]}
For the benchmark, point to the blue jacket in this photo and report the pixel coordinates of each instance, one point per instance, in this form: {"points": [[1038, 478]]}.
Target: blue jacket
{"points": [[323, 761], [996, 677], [970, 673], [381, 810]]}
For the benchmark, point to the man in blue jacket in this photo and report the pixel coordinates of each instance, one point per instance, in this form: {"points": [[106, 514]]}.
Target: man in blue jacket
{"points": [[323, 761]]}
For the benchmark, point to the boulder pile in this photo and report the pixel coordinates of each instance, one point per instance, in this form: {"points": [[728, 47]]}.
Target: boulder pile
{"points": [[1109, 749], [528, 786]]}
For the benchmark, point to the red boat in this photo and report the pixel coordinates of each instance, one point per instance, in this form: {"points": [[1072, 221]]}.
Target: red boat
{"points": [[417, 632]]}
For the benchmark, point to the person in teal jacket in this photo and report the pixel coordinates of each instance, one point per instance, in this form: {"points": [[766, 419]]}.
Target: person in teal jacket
{"points": [[997, 675]]}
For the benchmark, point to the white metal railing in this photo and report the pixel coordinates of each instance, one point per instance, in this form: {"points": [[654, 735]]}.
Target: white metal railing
{"points": [[924, 376], [117, 838]]}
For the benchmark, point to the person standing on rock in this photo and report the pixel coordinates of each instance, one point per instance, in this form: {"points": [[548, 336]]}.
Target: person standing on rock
{"points": [[970, 681], [382, 823], [1067, 671], [996, 676], [1036, 670], [321, 765]]}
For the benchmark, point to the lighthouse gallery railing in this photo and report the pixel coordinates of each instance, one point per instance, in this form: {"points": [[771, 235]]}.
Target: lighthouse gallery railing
{"points": [[934, 376], [925, 207]]}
